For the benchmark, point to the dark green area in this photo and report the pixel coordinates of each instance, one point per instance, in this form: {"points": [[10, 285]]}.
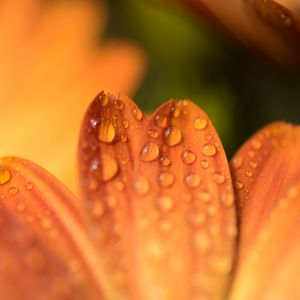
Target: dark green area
{"points": [[188, 59]]}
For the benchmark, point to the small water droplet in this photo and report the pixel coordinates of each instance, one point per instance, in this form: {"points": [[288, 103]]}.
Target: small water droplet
{"points": [[29, 186], [109, 168], [204, 164], [137, 114], [161, 120], [141, 186], [165, 204], [149, 152], [200, 123], [106, 132], [98, 209], [237, 162], [111, 201], [119, 185], [104, 99], [204, 196], [251, 153], [123, 138], [209, 150], [13, 191], [202, 242], [188, 157], [249, 174], [197, 218], [256, 144], [153, 133], [253, 164], [172, 136], [119, 104], [239, 185], [21, 207], [192, 180], [5, 175], [218, 178], [227, 199], [175, 112], [165, 161], [166, 179], [125, 123]]}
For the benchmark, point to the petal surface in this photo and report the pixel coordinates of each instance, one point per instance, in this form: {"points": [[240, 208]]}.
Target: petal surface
{"points": [[44, 249], [51, 65], [160, 195], [266, 175]]}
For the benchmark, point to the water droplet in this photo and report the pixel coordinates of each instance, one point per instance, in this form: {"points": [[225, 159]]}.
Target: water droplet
{"points": [[141, 186], [153, 133], [200, 123], [98, 209], [149, 152], [237, 162], [209, 150], [175, 112], [104, 99], [185, 103], [192, 180], [218, 178], [227, 199], [172, 136], [251, 153], [21, 207], [249, 174], [202, 242], [13, 191], [111, 201], [119, 185], [166, 179], [188, 157], [197, 218], [239, 185], [123, 138], [165, 161], [209, 137], [29, 186], [109, 168], [161, 120], [204, 196], [106, 132], [204, 164], [118, 104], [137, 114], [256, 144], [165, 204], [253, 164], [125, 123], [5, 175]]}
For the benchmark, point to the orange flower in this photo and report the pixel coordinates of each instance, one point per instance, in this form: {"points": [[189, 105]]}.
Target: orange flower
{"points": [[272, 27], [51, 63], [157, 218]]}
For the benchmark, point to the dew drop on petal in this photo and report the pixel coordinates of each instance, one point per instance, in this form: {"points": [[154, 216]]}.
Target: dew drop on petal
{"points": [[141, 186], [204, 196], [237, 162], [165, 204], [106, 132], [153, 133], [192, 180], [109, 168], [209, 150], [149, 152], [253, 164], [172, 136], [197, 218], [161, 120], [188, 157], [166, 179], [137, 114], [204, 164], [5, 175], [119, 104], [125, 123], [29, 186], [239, 185], [13, 191], [104, 99], [165, 161], [175, 112], [98, 209], [256, 144], [218, 178], [200, 123]]}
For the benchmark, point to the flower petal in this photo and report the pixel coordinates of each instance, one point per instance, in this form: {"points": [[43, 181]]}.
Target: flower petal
{"points": [[160, 194], [44, 249], [266, 173]]}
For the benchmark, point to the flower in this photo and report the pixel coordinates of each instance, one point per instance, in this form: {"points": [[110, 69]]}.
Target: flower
{"points": [[269, 26], [51, 63], [158, 217]]}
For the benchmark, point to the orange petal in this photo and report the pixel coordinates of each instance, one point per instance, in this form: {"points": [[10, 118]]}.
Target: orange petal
{"points": [[160, 196], [266, 171], [265, 24], [51, 66], [45, 252]]}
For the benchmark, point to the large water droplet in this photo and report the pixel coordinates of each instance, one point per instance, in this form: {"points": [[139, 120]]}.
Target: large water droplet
{"points": [[172, 136], [149, 152], [209, 150], [109, 168], [192, 180], [141, 186], [165, 204], [106, 132], [5, 175], [188, 157], [161, 120], [137, 114], [166, 179], [200, 123]]}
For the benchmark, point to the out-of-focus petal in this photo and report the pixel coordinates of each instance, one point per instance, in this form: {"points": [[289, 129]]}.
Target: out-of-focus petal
{"points": [[269, 26], [44, 249], [51, 65], [266, 174], [160, 196]]}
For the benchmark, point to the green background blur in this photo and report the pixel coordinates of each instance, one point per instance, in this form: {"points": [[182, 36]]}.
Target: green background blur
{"points": [[189, 59]]}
